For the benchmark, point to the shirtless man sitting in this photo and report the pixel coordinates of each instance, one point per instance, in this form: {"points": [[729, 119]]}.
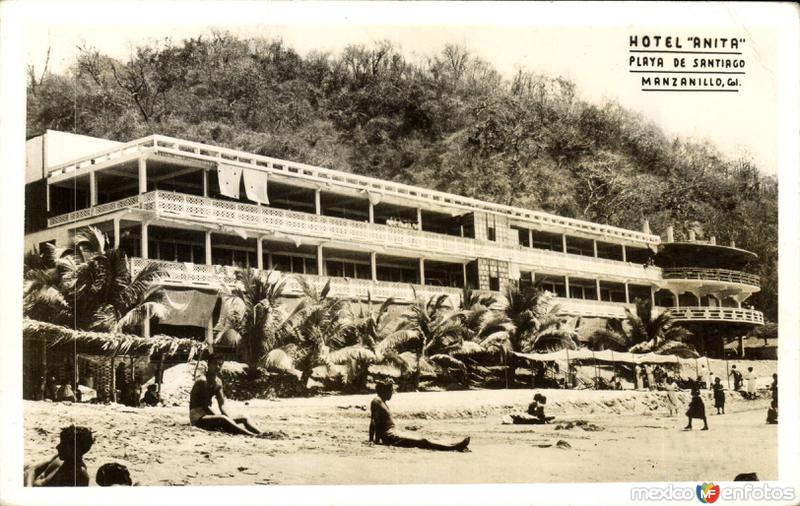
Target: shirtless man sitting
{"points": [[535, 414], [66, 468], [200, 413], [382, 430]]}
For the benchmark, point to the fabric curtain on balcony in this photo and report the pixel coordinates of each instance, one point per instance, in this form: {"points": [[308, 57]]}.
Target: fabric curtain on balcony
{"points": [[255, 184], [229, 179], [192, 308]]}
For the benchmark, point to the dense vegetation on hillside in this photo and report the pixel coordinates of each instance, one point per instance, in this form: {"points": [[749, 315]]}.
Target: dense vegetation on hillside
{"points": [[449, 122]]}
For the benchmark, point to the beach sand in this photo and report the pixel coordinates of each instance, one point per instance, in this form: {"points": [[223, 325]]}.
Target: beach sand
{"points": [[326, 440]]}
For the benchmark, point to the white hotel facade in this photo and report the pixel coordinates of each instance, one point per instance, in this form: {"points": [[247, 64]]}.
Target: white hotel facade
{"points": [[202, 211]]}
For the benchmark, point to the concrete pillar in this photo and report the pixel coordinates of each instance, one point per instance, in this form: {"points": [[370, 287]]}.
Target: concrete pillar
{"points": [[627, 294], [205, 183], [318, 201], [530, 238], [145, 240], [597, 287], [677, 299], [594, 246], [208, 247], [421, 271], [116, 233], [269, 261], [419, 218], [563, 243], [461, 227], [142, 175], [371, 213], [624, 253], [259, 254], [652, 296], [670, 234], [566, 286], [92, 189], [464, 270], [320, 261], [373, 263]]}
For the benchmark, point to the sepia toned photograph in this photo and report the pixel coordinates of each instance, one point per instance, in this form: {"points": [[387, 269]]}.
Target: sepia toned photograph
{"points": [[429, 252]]}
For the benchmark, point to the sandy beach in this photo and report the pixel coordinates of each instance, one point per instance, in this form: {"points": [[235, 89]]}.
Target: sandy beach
{"points": [[322, 440]]}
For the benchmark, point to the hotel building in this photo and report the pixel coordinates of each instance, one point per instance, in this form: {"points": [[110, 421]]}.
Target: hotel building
{"points": [[202, 211]]}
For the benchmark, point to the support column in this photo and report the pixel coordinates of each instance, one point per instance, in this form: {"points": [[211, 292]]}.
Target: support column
{"points": [[464, 268], [594, 246], [259, 254], [269, 261], [597, 287], [145, 240], [530, 238], [563, 243], [461, 228], [145, 325], [421, 271], [371, 213], [208, 247], [318, 201], [116, 233], [320, 261], [419, 218], [677, 299], [205, 183], [373, 262], [627, 294], [142, 175], [652, 296], [566, 286], [210, 331], [92, 189], [624, 253]]}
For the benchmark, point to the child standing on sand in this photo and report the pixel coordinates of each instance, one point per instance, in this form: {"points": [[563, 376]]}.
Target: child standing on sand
{"points": [[719, 396], [66, 469], [696, 410]]}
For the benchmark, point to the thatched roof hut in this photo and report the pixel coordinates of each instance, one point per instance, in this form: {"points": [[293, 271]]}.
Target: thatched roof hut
{"points": [[103, 343]]}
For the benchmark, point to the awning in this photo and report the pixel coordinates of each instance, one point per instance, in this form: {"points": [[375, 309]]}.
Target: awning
{"points": [[255, 185], [192, 308], [229, 177], [600, 356]]}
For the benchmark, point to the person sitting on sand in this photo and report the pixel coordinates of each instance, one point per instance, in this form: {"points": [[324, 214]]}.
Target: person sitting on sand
{"points": [[719, 396], [535, 414], [696, 410], [66, 469], [382, 429], [203, 391], [151, 397], [112, 474], [772, 413]]}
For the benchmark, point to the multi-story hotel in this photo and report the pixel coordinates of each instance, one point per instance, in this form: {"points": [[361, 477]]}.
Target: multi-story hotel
{"points": [[202, 211]]}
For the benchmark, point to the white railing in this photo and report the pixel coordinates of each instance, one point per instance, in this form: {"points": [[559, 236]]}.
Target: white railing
{"points": [[224, 277], [595, 308], [723, 314], [98, 210], [199, 151], [197, 208], [725, 275]]}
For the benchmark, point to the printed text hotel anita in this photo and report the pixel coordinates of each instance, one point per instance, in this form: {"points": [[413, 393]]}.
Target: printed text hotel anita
{"points": [[687, 63]]}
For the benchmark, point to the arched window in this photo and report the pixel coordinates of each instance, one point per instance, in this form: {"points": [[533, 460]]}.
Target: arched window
{"points": [[664, 298]]}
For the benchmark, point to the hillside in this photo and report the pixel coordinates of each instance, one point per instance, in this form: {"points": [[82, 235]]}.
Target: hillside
{"points": [[450, 122]]}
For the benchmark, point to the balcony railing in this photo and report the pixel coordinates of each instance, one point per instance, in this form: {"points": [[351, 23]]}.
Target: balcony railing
{"points": [[197, 208], [724, 275], [722, 314], [594, 308], [218, 276]]}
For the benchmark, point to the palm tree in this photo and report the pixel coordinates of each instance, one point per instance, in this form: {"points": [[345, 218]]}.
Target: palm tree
{"points": [[43, 296], [642, 333], [253, 318], [535, 326]]}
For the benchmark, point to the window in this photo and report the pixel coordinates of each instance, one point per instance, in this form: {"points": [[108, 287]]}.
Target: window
{"points": [[494, 283], [491, 234], [522, 234]]}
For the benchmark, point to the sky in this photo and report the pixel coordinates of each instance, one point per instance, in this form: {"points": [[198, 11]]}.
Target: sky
{"points": [[590, 50]]}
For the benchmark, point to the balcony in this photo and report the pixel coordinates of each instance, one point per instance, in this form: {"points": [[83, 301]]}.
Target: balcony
{"points": [[217, 276], [269, 219], [591, 308], [718, 275], [719, 314]]}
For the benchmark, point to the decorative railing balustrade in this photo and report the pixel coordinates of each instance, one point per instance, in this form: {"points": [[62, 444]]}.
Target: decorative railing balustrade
{"points": [[270, 219], [725, 275], [722, 314], [224, 277]]}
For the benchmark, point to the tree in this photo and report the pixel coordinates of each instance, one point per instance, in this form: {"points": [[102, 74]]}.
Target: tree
{"points": [[642, 333], [254, 318]]}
